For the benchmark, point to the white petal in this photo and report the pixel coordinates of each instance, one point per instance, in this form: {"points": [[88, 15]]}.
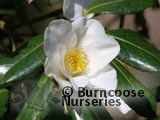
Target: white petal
{"points": [[104, 79], [99, 48], [73, 9], [79, 81], [90, 16], [95, 27], [54, 66], [79, 25], [124, 108], [58, 32], [100, 51]]}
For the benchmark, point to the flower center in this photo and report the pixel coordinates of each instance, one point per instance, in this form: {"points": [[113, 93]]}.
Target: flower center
{"points": [[76, 61]]}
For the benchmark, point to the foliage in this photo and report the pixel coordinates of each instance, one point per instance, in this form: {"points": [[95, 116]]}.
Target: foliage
{"points": [[29, 57]]}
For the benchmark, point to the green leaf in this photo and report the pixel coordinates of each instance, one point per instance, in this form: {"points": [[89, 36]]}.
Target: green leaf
{"points": [[74, 115], [4, 96], [135, 51], [120, 6], [145, 106], [37, 106], [7, 12], [86, 114], [92, 113], [100, 113], [25, 63], [4, 68]]}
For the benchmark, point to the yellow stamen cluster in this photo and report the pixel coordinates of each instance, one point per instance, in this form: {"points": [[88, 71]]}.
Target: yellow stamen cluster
{"points": [[77, 60]]}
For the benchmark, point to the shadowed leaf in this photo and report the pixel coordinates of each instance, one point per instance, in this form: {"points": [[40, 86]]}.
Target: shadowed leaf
{"points": [[135, 51], [146, 105], [4, 96], [25, 63], [120, 6], [37, 106]]}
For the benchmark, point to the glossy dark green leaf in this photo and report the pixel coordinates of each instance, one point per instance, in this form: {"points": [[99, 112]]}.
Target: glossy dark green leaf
{"points": [[120, 6], [146, 105], [92, 113], [100, 113], [74, 115], [25, 63], [4, 97], [86, 114], [135, 51], [37, 106], [4, 68]]}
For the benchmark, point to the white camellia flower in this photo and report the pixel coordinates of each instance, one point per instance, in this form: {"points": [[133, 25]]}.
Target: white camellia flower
{"points": [[73, 9], [79, 53]]}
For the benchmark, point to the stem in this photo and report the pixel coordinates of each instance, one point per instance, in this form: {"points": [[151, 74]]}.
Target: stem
{"points": [[121, 21], [85, 14]]}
